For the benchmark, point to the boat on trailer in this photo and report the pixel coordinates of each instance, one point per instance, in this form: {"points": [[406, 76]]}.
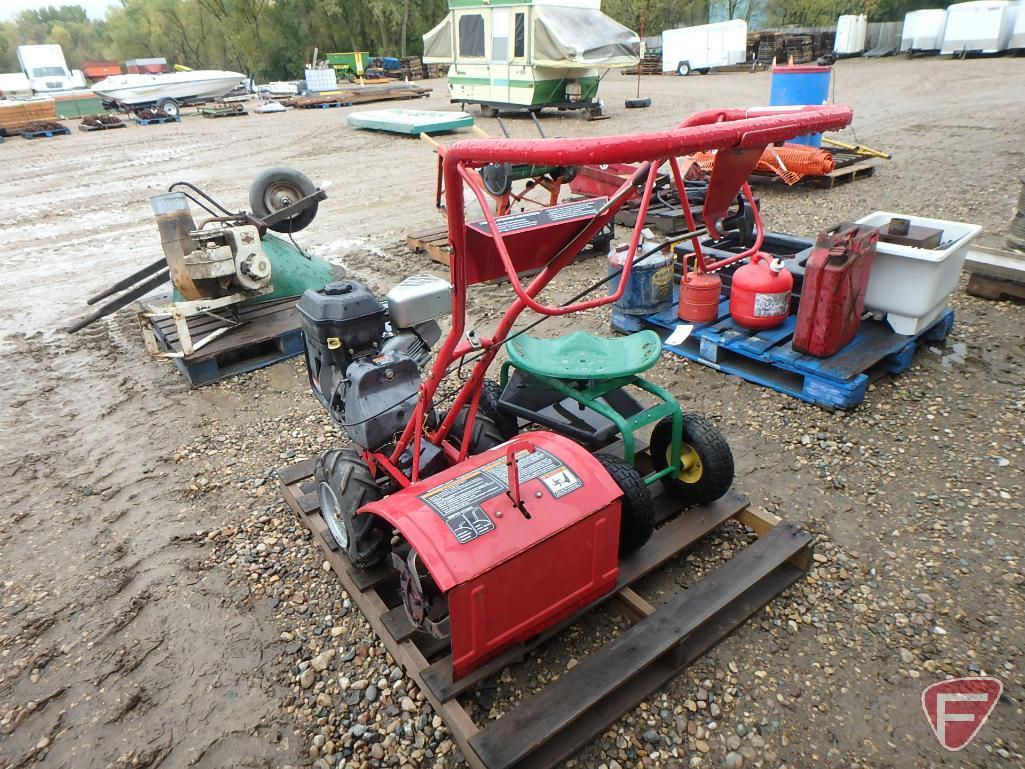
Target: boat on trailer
{"points": [[168, 91]]}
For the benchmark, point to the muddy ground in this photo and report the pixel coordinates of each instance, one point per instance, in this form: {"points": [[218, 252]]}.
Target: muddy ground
{"points": [[140, 625]]}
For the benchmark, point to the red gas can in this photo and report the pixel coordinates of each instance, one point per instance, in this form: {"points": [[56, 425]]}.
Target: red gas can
{"points": [[699, 297], [760, 293], [833, 294]]}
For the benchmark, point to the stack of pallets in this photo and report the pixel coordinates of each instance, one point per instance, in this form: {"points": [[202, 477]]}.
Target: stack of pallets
{"points": [[651, 64], [413, 68]]}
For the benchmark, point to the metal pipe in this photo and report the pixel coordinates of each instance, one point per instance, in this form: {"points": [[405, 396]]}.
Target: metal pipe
{"points": [[128, 282], [122, 301]]}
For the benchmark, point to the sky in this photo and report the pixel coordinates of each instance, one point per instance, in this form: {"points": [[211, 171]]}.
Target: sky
{"points": [[96, 9]]}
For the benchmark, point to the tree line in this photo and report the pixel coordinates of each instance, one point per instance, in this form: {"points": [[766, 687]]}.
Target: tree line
{"points": [[273, 39]]}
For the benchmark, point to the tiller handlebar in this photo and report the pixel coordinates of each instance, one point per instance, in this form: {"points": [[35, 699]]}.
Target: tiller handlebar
{"points": [[739, 136]]}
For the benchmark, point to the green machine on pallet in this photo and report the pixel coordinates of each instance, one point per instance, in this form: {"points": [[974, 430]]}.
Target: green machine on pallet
{"points": [[226, 260]]}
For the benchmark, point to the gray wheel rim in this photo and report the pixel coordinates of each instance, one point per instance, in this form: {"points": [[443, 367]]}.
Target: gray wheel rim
{"points": [[280, 195], [171, 109], [329, 509]]}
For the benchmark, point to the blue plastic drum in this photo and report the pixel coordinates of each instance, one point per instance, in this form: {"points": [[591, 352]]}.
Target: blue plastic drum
{"points": [[799, 85]]}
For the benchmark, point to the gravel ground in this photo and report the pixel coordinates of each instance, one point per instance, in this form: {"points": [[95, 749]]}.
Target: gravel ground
{"points": [[162, 607]]}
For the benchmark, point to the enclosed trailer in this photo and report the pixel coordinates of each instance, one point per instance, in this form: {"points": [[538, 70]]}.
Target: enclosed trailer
{"points": [[1017, 42], [982, 26], [529, 55], [923, 31], [851, 34], [699, 49]]}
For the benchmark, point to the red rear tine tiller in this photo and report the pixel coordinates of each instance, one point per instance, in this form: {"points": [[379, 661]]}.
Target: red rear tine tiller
{"points": [[501, 535]]}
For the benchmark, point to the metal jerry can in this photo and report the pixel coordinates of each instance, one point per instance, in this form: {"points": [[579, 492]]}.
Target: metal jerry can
{"points": [[833, 293], [760, 293]]}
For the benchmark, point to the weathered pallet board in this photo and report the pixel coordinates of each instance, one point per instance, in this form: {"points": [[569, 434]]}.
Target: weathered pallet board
{"points": [[434, 243], [767, 357], [100, 126], [995, 273], [545, 728], [858, 169], [264, 334]]}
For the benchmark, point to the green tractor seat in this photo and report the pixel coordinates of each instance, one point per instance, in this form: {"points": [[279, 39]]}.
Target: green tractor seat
{"points": [[581, 355]]}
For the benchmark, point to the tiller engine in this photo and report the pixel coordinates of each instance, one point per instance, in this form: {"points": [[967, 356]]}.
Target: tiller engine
{"points": [[508, 512]]}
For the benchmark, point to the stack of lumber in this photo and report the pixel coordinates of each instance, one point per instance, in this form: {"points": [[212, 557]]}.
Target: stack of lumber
{"points": [[360, 95], [651, 64], [413, 68], [15, 115]]}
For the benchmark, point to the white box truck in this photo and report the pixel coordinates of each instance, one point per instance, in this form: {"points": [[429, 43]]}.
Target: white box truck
{"points": [[46, 69], [983, 26], [699, 49]]}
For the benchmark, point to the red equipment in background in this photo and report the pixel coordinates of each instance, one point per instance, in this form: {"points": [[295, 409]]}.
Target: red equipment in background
{"points": [[833, 294], [760, 293]]}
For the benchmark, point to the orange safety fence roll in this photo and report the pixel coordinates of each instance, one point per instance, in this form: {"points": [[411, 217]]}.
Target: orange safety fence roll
{"points": [[791, 162]]}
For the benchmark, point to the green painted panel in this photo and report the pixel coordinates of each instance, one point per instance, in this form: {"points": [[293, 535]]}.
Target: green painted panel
{"points": [[291, 271]]}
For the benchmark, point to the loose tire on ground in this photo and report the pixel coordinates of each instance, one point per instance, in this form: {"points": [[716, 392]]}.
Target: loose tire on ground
{"points": [[709, 473], [507, 424], [344, 484], [637, 519], [278, 188], [638, 103]]}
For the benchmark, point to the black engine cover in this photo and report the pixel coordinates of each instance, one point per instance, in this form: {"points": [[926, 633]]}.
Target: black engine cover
{"points": [[341, 322]]}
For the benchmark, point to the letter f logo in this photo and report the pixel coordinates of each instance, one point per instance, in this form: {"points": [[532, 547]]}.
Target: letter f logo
{"points": [[957, 709]]}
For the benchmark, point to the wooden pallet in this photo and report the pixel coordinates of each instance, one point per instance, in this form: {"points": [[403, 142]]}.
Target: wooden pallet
{"points": [[857, 169], [995, 273], [434, 243], [263, 334], [100, 126], [767, 357], [545, 728], [233, 109]]}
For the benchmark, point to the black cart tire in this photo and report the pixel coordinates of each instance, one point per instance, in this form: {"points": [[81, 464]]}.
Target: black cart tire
{"points": [[344, 485], [278, 188], [507, 424], [704, 70], [486, 434], [637, 519], [638, 103], [710, 471]]}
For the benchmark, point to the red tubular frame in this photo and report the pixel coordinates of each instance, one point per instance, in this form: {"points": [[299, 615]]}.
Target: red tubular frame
{"points": [[725, 129]]}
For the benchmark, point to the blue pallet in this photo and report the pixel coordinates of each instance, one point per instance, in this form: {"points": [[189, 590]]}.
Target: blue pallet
{"points": [[157, 120], [767, 357], [62, 131], [267, 333]]}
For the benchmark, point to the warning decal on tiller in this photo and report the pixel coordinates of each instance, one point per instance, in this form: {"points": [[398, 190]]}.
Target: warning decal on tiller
{"points": [[458, 501]]}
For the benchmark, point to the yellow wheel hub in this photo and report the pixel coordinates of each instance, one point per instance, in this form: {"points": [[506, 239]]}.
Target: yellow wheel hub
{"points": [[690, 463]]}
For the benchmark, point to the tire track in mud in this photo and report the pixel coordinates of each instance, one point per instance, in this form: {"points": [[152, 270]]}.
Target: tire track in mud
{"points": [[118, 646]]}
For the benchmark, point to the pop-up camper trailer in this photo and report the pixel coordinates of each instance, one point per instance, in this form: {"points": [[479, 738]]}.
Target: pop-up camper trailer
{"points": [[529, 54]]}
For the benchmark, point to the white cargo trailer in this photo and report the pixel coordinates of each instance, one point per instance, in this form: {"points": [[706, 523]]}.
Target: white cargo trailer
{"points": [[982, 26], [1017, 42], [699, 49], [851, 34], [923, 31]]}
